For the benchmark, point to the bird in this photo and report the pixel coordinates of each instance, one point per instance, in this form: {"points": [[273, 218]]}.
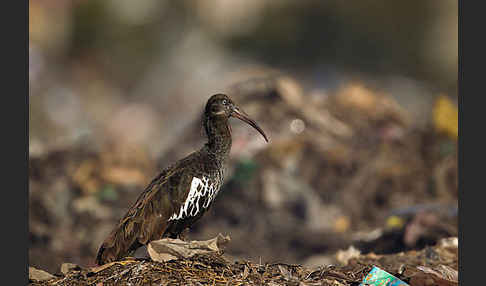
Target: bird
{"points": [[179, 196]]}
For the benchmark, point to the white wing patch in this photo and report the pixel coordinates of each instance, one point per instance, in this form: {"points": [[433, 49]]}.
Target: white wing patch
{"points": [[200, 188]]}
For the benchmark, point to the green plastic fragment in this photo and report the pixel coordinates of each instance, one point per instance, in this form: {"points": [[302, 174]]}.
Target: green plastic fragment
{"points": [[379, 277]]}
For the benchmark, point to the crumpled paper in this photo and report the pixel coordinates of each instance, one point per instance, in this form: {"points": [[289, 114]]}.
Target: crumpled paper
{"points": [[168, 249]]}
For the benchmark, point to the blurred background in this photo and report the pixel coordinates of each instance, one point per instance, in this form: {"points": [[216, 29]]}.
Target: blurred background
{"points": [[359, 101]]}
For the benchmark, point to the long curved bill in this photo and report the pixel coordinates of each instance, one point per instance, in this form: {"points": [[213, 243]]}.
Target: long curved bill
{"points": [[240, 114]]}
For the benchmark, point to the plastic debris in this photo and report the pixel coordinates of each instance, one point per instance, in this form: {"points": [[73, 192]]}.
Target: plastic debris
{"points": [[168, 249], [380, 277]]}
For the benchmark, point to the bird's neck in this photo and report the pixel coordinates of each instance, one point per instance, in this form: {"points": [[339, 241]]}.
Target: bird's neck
{"points": [[219, 137]]}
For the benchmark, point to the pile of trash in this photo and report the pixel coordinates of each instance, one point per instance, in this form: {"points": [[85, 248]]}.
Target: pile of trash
{"points": [[348, 167], [203, 263]]}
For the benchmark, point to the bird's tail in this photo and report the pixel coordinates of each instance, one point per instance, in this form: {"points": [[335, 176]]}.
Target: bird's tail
{"points": [[117, 245]]}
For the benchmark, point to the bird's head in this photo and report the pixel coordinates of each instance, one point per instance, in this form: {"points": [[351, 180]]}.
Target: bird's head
{"points": [[220, 106]]}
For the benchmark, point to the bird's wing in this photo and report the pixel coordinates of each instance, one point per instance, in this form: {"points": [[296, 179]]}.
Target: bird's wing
{"points": [[150, 214], [148, 217]]}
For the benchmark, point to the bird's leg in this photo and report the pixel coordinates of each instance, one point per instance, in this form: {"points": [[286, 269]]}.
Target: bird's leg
{"points": [[183, 235]]}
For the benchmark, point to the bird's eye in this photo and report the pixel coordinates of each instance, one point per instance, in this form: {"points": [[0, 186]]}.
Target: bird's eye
{"points": [[225, 101]]}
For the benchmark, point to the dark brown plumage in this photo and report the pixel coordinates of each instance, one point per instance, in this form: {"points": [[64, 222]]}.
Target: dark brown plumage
{"points": [[181, 193]]}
